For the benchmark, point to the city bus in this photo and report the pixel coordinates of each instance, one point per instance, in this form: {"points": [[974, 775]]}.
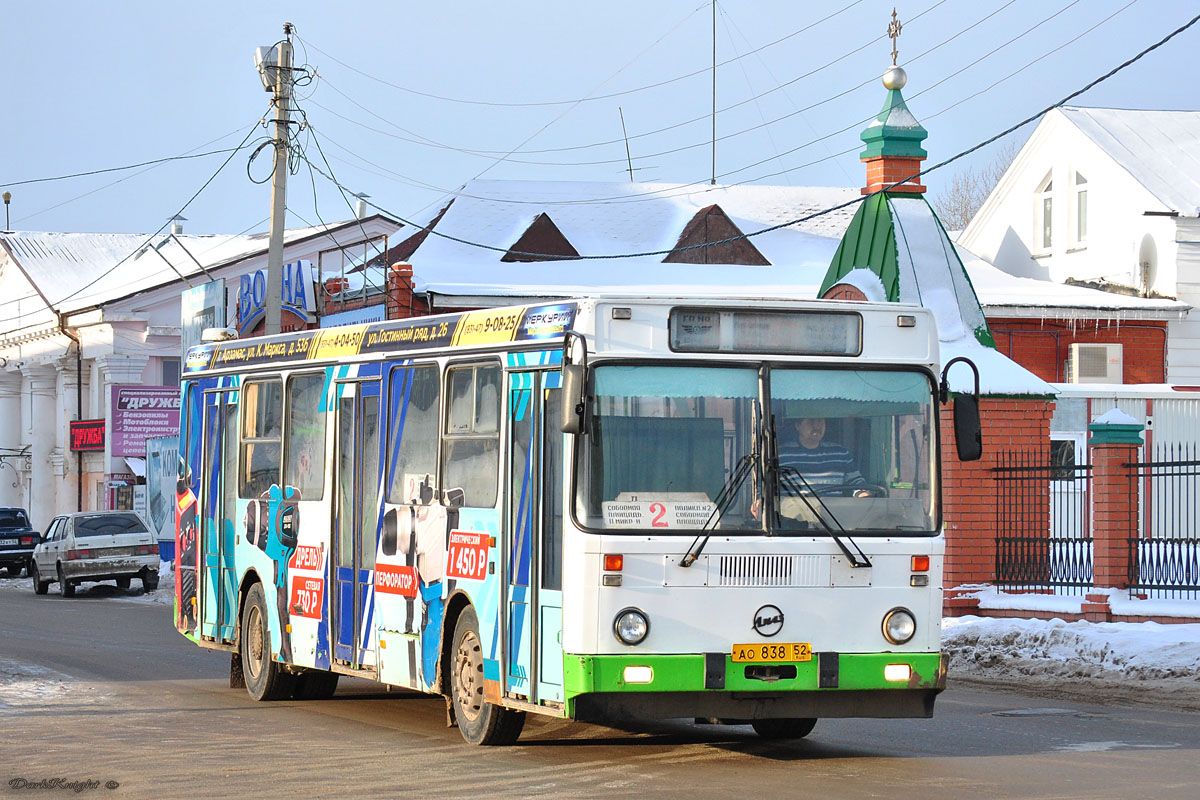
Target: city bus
{"points": [[598, 509]]}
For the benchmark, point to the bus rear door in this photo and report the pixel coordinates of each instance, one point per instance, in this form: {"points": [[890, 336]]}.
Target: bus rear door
{"points": [[218, 490], [357, 522], [534, 656]]}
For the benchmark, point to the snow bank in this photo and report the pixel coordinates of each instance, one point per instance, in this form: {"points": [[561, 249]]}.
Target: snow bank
{"points": [[1124, 651]]}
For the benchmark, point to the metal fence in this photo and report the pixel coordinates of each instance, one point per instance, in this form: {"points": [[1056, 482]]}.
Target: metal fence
{"points": [[1165, 554], [1043, 522]]}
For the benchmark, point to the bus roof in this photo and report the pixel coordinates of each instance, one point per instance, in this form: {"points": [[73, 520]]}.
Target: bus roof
{"points": [[468, 328], [532, 324]]}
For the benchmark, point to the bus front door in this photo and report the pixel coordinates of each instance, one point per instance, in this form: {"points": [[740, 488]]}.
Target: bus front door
{"points": [[357, 523], [533, 653], [218, 489]]}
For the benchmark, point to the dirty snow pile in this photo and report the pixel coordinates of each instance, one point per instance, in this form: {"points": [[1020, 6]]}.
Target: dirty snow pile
{"points": [[1067, 651]]}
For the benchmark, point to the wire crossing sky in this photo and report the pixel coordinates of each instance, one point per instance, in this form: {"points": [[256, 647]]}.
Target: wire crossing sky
{"points": [[411, 102]]}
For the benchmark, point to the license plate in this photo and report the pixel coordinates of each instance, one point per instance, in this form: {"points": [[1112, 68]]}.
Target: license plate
{"points": [[773, 651], [9, 541]]}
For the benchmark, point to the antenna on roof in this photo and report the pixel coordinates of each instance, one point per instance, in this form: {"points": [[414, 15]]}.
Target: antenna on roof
{"points": [[628, 159]]}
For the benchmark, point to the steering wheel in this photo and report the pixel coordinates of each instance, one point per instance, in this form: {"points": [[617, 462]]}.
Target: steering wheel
{"points": [[850, 490]]}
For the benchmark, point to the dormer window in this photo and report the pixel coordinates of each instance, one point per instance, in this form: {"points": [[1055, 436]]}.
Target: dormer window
{"points": [[1080, 209], [1044, 232]]}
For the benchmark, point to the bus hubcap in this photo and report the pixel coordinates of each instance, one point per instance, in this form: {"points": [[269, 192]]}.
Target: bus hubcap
{"points": [[468, 665], [254, 630]]}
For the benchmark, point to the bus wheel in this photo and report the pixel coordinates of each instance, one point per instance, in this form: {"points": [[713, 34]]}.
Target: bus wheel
{"points": [[796, 728], [479, 721], [265, 679], [315, 684]]}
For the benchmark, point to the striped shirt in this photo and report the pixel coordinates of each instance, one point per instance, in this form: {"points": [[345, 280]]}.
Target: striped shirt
{"points": [[826, 464]]}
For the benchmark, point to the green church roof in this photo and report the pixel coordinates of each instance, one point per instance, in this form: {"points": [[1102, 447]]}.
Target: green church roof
{"points": [[894, 132], [900, 239]]}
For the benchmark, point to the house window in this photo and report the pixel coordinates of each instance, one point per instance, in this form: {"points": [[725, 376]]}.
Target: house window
{"points": [[170, 372], [1080, 208], [1045, 214]]}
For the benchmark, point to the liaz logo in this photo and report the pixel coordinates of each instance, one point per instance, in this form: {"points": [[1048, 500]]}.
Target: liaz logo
{"points": [[768, 621]]}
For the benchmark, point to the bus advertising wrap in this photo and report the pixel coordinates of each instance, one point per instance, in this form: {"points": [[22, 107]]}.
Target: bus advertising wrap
{"points": [[493, 326]]}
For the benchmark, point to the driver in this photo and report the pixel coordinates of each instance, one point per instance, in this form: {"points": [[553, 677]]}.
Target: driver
{"points": [[821, 463]]}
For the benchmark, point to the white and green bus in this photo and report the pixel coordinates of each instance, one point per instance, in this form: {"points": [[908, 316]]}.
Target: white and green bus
{"points": [[598, 509]]}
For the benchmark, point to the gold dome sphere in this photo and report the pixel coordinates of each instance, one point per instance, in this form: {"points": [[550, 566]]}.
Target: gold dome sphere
{"points": [[894, 78]]}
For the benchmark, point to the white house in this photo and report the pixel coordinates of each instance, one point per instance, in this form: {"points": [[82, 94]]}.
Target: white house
{"points": [[1105, 198], [81, 313]]}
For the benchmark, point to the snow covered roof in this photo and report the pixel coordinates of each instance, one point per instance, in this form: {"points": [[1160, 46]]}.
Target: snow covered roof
{"points": [[931, 274], [1005, 295], [614, 219], [81, 270], [1160, 149]]}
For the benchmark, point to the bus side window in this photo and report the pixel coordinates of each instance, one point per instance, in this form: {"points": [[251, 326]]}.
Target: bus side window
{"points": [[304, 436], [471, 447], [414, 431], [262, 416]]}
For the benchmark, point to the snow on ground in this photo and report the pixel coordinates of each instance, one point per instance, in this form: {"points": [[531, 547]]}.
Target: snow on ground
{"points": [[1130, 650], [163, 595], [1118, 600], [32, 686]]}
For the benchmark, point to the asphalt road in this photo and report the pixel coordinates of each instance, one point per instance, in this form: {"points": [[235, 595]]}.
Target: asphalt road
{"points": [[100, 688]]}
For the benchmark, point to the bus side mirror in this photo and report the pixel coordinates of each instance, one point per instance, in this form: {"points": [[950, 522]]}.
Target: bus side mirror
{"points": [[574, 380], [968, 435]]}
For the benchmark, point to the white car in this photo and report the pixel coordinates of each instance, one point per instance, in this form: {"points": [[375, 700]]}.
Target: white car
{"points": [[95, 546]]}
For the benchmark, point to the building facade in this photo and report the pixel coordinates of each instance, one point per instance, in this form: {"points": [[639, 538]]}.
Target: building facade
{"points": [[92, 324]]}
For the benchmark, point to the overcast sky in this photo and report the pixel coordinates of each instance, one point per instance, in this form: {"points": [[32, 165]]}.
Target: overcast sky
{"points": [[402, 89]]}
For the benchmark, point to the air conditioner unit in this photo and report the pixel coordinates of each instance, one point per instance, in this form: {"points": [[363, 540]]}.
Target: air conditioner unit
{"points": [[1095, 363]]}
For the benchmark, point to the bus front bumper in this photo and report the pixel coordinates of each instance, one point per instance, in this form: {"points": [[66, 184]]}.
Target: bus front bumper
{"points": [[711, 685]]}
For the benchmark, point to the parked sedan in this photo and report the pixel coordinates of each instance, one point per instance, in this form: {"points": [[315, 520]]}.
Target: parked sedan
{"points": [[95, 546], [17, 540]]}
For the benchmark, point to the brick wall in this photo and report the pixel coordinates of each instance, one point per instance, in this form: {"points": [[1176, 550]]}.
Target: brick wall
{"points": [[882, 171], [1042, 346], [970, 497]]}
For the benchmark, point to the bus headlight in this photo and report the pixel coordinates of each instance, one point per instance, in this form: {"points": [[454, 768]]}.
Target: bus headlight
{"points": [[631, 626], [899, 625]]}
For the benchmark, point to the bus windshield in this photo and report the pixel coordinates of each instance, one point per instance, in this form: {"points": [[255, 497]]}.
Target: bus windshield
{"points": [[855, 450], [682, 448]]}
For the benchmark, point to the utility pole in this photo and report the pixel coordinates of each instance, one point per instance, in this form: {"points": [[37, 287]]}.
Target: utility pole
{"points": [[713, 182], [283, 94]]}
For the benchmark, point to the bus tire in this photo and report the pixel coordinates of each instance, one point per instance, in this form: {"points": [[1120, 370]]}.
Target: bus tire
{"points": [[315, 684], [796, 728], [265, 679], [479, 721]]}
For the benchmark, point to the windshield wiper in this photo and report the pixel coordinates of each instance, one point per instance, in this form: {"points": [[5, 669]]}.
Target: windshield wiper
{"points": [[787, 477], [724, 500]]}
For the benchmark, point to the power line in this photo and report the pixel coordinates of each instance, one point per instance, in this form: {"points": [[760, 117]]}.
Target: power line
{"points": [[678, 190], [151, 237], [589, 98], [152, 162], [822, 212], [481, 152]]}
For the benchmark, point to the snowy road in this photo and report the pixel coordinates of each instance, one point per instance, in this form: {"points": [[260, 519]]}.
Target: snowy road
{"points": [[101, 688]]}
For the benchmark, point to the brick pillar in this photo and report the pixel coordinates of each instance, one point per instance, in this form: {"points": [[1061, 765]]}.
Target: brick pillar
{"points": [[1114, 442], [401, 302]]}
